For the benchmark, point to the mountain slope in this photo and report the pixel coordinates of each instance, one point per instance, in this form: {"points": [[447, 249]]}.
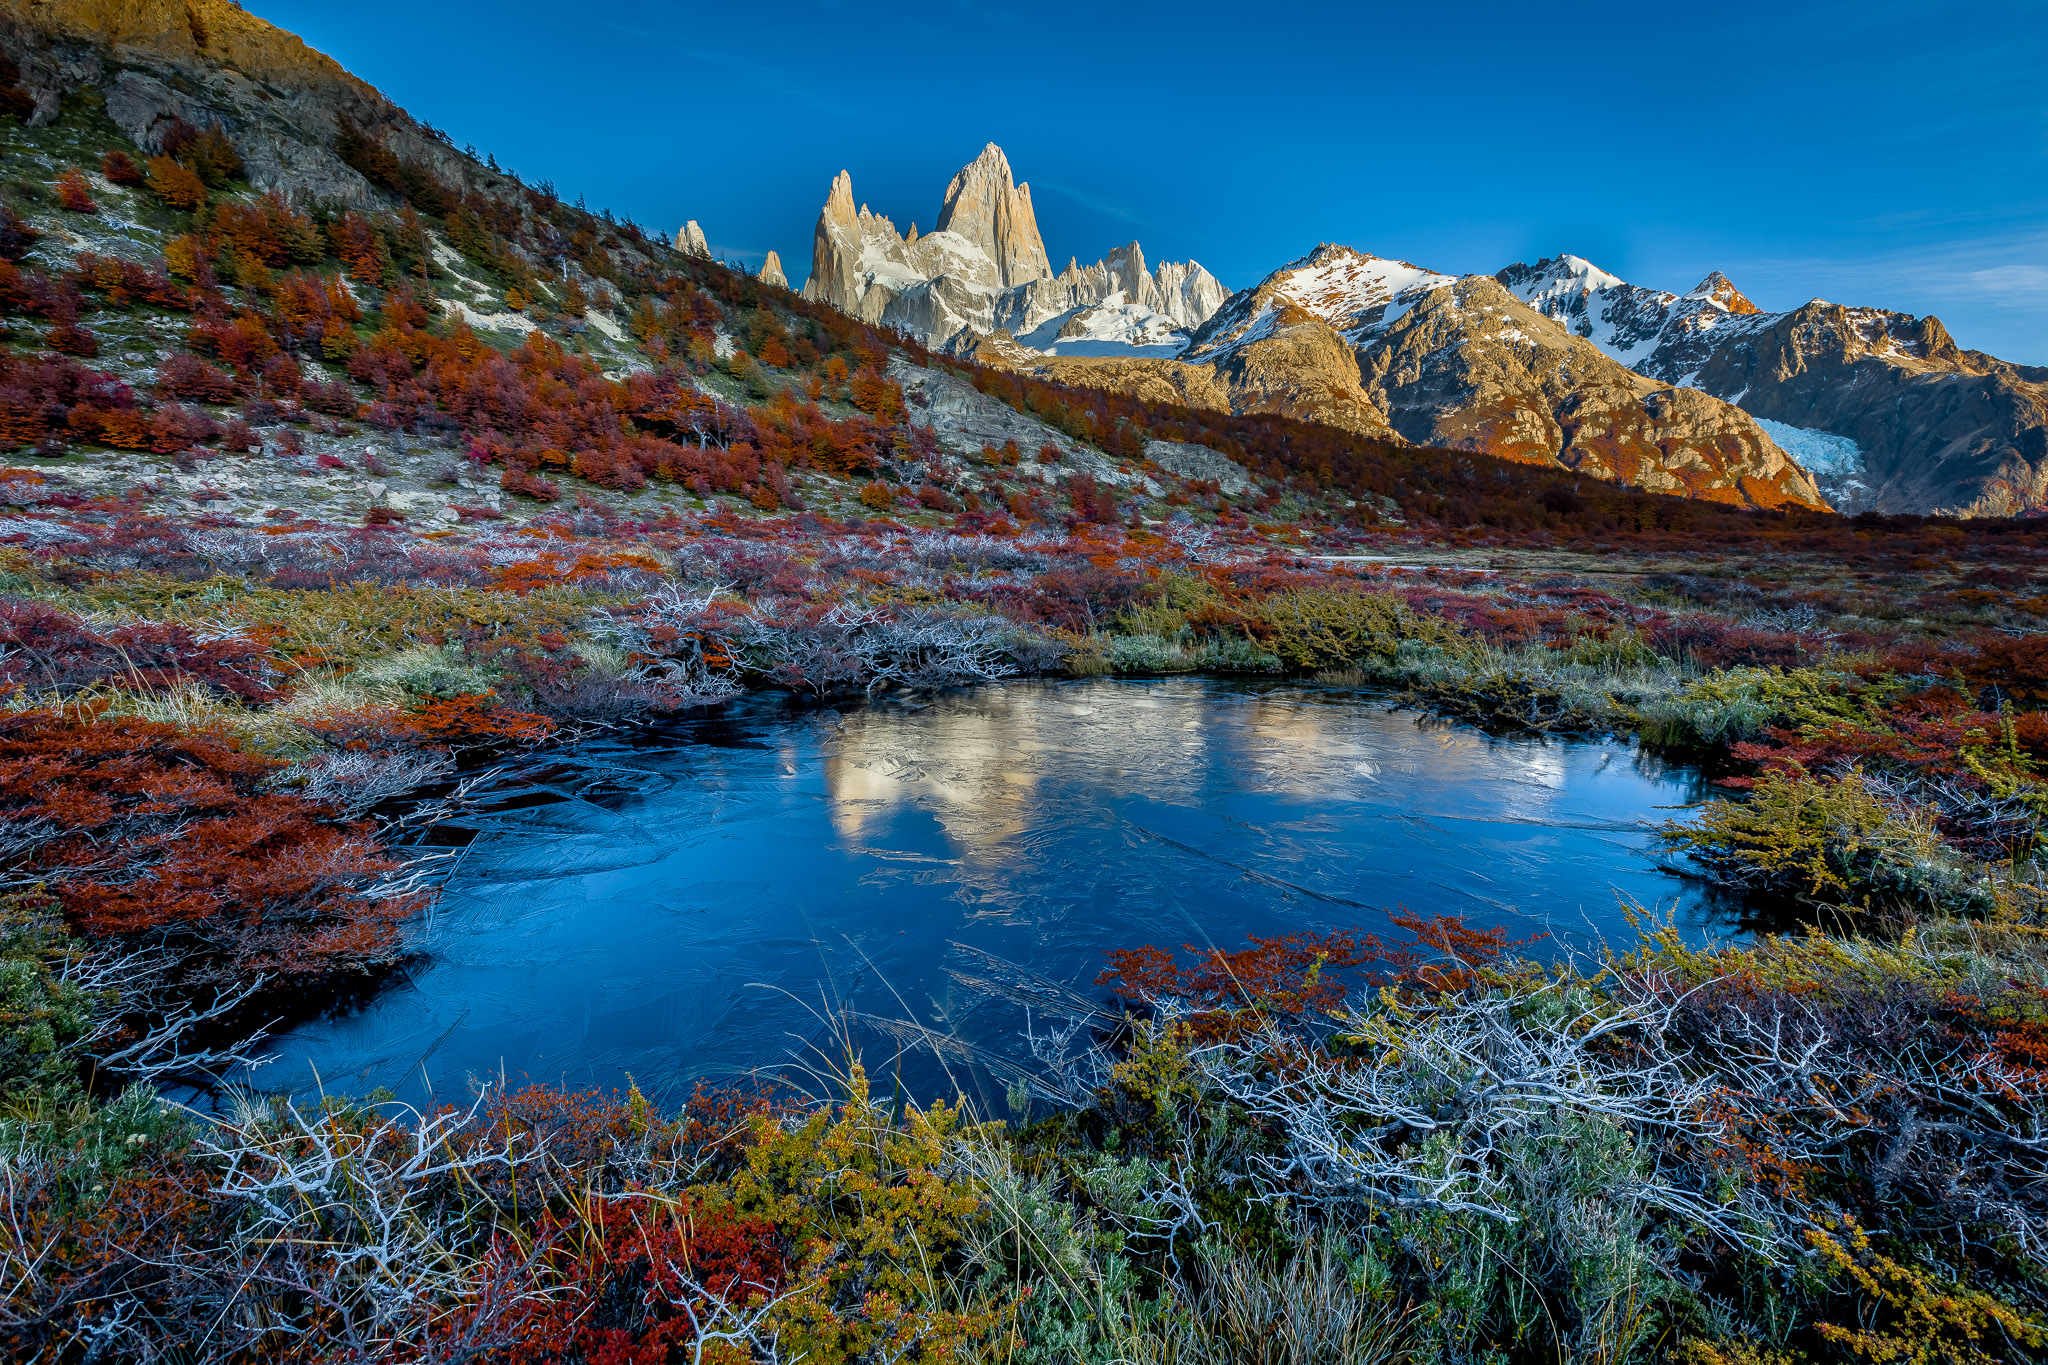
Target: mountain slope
{"points": [[354, 322], [159, 61], [1471, 367], [1935, 428]]}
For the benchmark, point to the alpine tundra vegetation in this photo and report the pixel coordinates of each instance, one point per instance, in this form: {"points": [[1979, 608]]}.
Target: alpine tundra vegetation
{"points": [[344, 466]]}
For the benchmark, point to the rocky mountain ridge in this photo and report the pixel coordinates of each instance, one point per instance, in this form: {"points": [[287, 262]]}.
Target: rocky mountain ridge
{"points": [[1882, 408], [984, 268], [1890, 412], [162, 61], [1389, 349]]}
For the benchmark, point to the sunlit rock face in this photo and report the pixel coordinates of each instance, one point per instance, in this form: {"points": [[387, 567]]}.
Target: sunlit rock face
{"points": [[1885, 410], [984, 269]]}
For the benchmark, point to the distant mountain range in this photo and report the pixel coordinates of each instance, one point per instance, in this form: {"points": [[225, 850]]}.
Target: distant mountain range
{"points": [[1552, 363]]}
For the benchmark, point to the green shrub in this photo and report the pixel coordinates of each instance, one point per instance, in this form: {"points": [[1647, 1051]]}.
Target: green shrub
{"points": [[1829, 841], [1316, 628], [427, 671], [1741, 703], [46, 1018]]}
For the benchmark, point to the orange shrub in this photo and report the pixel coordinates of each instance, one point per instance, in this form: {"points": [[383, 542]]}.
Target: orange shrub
{"points": [[177, 184]]}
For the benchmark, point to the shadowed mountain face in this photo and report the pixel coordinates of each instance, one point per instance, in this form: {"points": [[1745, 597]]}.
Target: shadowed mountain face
{"points": [[1890, 413]]}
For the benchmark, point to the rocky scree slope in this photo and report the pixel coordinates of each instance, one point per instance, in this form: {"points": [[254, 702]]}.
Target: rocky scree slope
{"points": [[984, 268], [1929, 427]]}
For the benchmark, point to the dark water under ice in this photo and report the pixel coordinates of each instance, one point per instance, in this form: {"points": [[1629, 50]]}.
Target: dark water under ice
{"points": [[688, 905]]}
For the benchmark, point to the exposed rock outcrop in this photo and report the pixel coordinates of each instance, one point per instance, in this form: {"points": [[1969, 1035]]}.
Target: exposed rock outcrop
{"points": [[199, 60], [985, 206], [771, 272], [1200, 462], [690, 241], [194, 36], [965, 420]]}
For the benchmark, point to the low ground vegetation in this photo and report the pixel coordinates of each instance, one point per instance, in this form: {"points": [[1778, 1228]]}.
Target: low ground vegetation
{"points": [[236, 678]]}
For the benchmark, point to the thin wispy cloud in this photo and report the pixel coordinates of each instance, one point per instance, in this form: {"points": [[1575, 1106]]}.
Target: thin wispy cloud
{"points": [[2006, 269], [1105, 207]]}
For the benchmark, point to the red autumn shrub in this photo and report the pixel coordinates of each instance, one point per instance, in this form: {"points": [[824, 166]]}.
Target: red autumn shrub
{"points": [[1303, 973], [177, 184], [16, 236], [2015, 667], [122, 283], [208, 151], [175, 427], [120, 168], [186, 376], [73, 193], [40, 394], [626, 1271], [268, 230], [71, 336], [141, 830]]}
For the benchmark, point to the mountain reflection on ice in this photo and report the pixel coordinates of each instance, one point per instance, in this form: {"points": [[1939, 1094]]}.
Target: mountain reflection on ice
{"points": [[682, 908]]}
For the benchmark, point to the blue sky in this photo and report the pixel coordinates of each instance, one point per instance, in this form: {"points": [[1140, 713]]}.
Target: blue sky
{"points": [[1878, 153]]}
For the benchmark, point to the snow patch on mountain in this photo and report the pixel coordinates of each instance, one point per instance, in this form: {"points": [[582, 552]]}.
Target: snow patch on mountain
{"points": [[1353, 292], [1653, 331], [1114, 327]]}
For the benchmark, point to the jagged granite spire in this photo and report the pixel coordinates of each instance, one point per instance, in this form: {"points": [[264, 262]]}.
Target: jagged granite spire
{"points": [[984, 266], [985, 205]]}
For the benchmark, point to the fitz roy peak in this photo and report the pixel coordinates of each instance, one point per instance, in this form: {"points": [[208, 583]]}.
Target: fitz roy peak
{"points": [[984, 268]]}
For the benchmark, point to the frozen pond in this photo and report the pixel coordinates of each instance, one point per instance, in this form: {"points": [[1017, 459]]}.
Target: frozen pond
{"points": [[686, 905]]}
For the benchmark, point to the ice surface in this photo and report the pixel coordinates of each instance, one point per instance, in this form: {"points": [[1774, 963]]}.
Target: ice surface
{"points": [[698, 906]]}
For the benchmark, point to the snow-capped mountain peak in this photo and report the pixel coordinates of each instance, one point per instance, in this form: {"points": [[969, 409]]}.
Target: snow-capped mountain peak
{"points": [[984, 268], [1720, 291], [1355, 293]]}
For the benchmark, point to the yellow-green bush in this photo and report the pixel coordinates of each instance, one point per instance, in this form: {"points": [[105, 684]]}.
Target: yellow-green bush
{"points": [[1313, 628], [1828, 840], [1739, 703]]}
